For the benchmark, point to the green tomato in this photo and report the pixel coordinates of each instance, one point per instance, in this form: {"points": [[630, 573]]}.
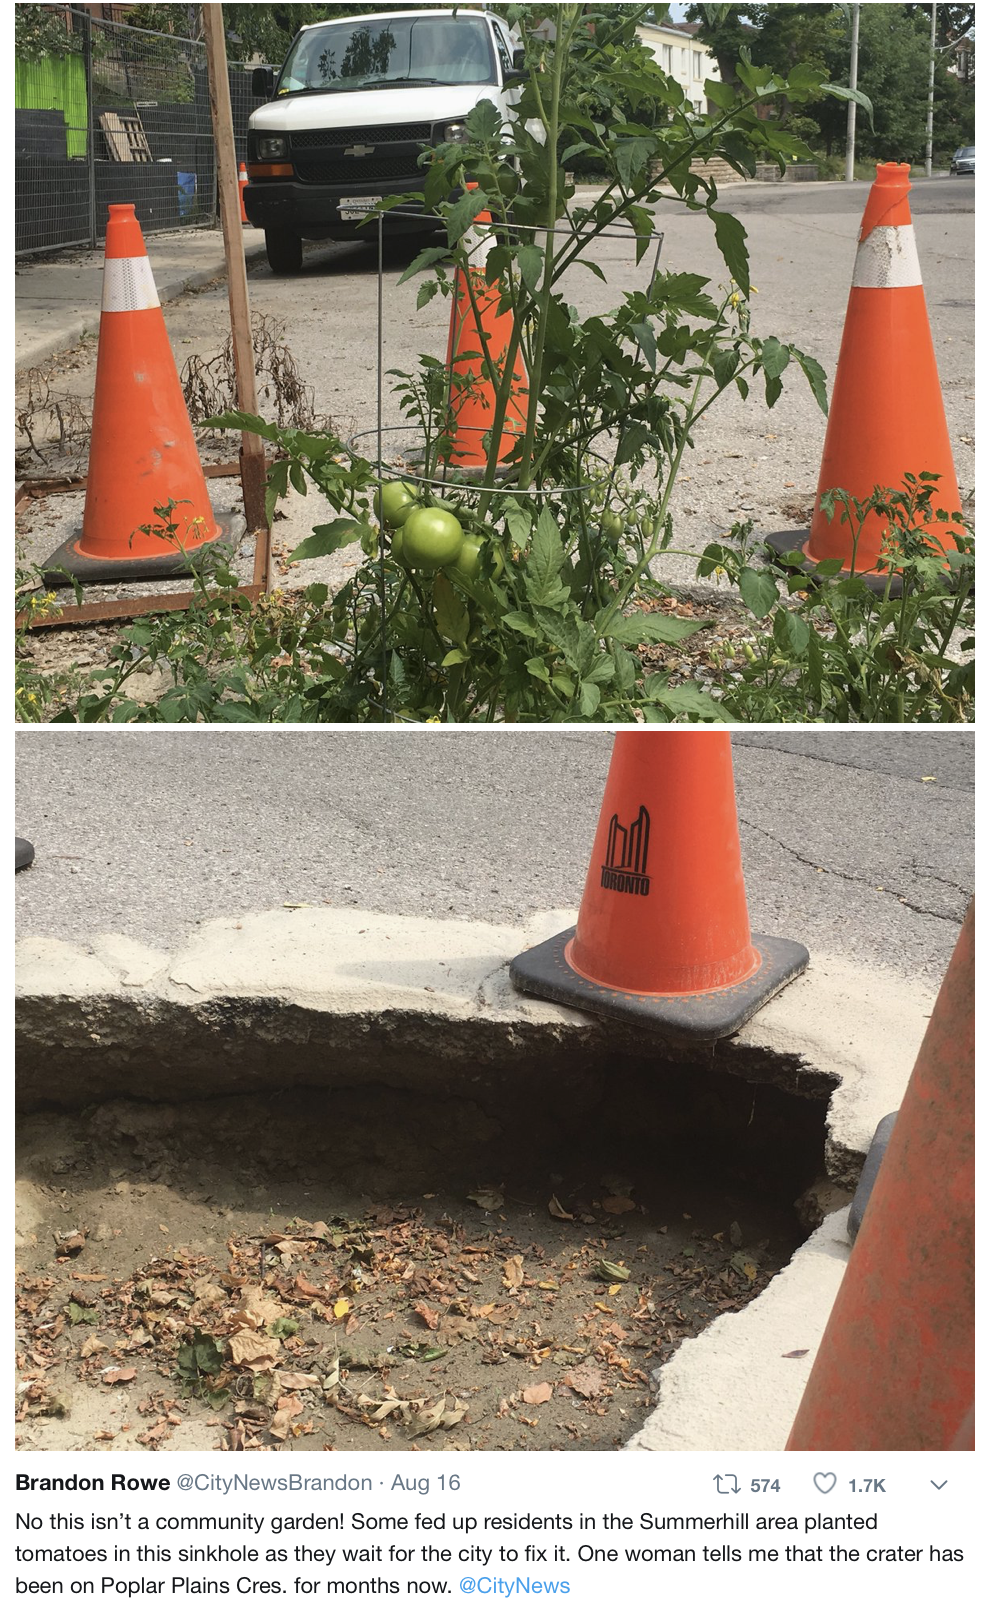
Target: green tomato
{"points": [[396, 545], [467, 565], [431, 539], [393, 503], [467, 568], [613, 525]]}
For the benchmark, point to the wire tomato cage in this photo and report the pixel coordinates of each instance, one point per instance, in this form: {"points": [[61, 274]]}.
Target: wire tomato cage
{"points": [[408, 460]]}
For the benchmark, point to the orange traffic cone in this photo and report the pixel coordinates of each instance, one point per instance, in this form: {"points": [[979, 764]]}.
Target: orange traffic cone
{"points": [[242, 180], [895, 1367], [478, 331], [142, 453], [663, 935], [886, 416]]}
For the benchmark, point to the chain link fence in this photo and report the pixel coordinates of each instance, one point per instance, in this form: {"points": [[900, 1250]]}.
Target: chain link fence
{"points": [[110, 113]]}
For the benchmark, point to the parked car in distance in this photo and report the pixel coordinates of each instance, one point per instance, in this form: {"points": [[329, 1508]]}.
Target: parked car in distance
{"points": [[963, 160]]}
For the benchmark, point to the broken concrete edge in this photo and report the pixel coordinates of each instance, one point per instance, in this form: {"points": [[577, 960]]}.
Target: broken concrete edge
{"points": [[82, 326], [310, 987], [738, 1386], [304, 975]]}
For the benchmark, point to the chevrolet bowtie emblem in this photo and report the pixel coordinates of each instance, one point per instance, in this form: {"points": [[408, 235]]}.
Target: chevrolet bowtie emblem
{"points": [[358, 151]]}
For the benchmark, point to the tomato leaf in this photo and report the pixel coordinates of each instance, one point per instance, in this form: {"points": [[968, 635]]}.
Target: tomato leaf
{"points": [[758, 590], [453, 620], [331, 536], [546, 559], [730, 237], [423, 261], [652, 629], [790, 633], [687, 700], [530, 261]]}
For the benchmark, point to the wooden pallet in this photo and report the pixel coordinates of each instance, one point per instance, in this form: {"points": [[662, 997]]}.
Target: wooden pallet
{"points": [[125, 137]]}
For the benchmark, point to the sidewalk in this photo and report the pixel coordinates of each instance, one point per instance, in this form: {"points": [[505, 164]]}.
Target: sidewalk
{"points": [[57, 298]]}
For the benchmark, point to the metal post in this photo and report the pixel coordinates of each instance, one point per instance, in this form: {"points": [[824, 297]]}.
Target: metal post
{"points": [[90, 127], [851, 108], [930, 116]]}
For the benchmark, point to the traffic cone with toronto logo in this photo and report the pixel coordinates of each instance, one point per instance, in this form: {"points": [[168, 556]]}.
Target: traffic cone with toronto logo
{"points": [[142, 453], [886, 417], [477, 350], [663, 936], [895, 1368], [242, 180]]}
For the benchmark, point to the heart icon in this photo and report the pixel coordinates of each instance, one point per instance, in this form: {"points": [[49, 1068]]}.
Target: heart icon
{"points": [[824, 1481]]}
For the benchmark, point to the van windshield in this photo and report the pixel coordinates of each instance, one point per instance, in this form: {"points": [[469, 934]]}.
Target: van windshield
{"points": [[388, 51]]}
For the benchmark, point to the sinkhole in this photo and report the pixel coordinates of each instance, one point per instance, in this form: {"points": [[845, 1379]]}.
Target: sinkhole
{"points": [[262, 1227]]}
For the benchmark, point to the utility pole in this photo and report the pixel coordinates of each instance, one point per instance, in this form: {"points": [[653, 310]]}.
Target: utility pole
{"points": [[930, 117], [851, 107]]}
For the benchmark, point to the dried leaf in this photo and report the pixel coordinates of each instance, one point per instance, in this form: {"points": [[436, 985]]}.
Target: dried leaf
{"points": [[538, 1394], [428, 1315], [250, 1349], [512, 1271], [91, 1346], [618, 1205], [607, 1271], [556, 1211], [487, 1196], [70, 1242], [585, 1379], [257, 1308], [116, 1374], [288, 1409]]}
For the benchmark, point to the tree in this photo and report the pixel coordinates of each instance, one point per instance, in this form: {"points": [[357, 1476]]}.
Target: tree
{"points": [[725, 31], [893, 67]]}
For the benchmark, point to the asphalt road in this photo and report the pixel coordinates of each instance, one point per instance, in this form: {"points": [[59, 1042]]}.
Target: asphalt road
{"points": [[857, 844]]}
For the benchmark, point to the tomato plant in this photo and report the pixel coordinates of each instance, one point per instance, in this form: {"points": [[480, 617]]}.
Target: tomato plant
{"points": [[530, 595]]}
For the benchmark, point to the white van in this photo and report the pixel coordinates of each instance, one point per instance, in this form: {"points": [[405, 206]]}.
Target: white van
{"points": [[356, 101]]}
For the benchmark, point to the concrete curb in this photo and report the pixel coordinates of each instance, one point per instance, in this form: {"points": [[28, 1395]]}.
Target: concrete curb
{"points": [[735, 1387], [326, 998]]}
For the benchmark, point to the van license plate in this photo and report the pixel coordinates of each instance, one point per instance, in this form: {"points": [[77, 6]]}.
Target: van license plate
{"points": [[356, 207]]}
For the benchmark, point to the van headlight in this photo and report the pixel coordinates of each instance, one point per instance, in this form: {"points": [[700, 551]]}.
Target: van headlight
{"points": [[456, 131], [272, 148]]}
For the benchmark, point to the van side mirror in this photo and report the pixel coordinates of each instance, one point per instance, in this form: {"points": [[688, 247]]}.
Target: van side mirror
{"points": [[519, 58], [263, 82]]}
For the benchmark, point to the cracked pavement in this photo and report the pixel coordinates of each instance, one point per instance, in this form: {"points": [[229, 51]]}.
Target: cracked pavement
{"points": [[855, 844]]}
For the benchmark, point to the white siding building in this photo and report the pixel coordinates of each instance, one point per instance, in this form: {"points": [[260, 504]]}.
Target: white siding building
{"points": [[682, 56]]}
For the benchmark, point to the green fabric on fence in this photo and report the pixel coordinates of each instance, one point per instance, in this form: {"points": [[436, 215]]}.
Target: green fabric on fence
{"points": [[56, 84]]}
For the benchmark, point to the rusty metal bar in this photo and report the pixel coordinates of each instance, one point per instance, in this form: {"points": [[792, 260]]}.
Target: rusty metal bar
{"points": [[97, 612], [104, 612]]}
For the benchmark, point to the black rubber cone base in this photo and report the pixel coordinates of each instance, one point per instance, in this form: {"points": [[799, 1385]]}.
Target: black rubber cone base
{"points": [[796, 538], [68, 562], [23, 853], [545, 971]]}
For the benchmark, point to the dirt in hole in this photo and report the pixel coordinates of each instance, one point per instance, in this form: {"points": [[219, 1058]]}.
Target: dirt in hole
{"points": [[372, 1269]]}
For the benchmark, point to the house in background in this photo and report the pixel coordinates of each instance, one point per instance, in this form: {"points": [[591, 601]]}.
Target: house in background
{"points": [[682, 56]]}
